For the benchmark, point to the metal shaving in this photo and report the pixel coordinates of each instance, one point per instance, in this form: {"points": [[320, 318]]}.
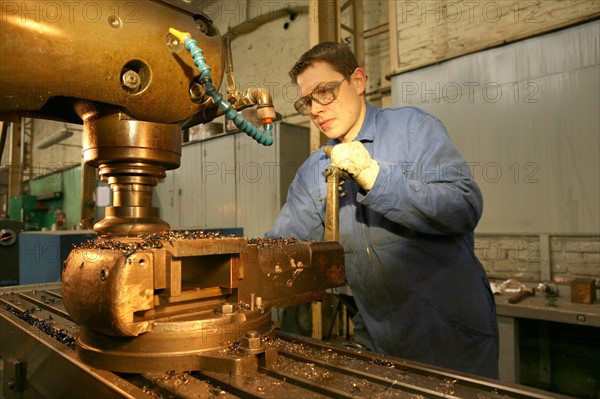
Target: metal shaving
{"points": [[46, 326], [155, 241], [271, 242], [176, 378], [149, 241], [230, 347]]}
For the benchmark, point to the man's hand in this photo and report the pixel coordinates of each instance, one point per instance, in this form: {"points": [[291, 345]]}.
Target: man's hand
{"points": [[354, 158]]}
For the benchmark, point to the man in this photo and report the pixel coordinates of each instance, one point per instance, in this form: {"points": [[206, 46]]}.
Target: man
{"points": [[406, 220]]}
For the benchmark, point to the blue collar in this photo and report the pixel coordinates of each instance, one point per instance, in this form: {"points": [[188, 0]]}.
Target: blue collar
{"points": [[368, 128]]}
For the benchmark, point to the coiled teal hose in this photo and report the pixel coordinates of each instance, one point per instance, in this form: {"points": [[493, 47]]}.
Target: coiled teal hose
{"points": [[264, 138]]}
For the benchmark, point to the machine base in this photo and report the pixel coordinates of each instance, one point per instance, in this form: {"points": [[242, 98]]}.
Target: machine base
{"points": [[209, 344]]}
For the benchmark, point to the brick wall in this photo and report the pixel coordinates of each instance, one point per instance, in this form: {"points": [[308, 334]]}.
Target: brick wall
{"points": [[529, 257], [575, 256], [263, 58]]}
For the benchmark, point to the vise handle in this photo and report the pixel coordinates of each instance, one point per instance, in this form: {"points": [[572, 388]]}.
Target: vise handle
{"points": [[333, 176]]}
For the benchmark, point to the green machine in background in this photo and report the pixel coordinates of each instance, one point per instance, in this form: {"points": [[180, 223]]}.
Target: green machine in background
{"points": [[53, 201], [38, 212], [24, 208]]}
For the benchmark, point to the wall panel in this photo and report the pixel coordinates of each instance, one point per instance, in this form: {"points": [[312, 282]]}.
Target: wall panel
{"points": [[426, 32], [526, 116]]}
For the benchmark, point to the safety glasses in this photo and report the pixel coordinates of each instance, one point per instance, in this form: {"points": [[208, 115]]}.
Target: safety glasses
{"points": [[324, 95]]}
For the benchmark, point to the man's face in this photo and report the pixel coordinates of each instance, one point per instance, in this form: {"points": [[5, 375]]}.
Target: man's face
{"points": [[343, 118]]}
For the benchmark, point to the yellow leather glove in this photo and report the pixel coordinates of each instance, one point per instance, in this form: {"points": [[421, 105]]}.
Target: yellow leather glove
{"points": [[354, 158]]}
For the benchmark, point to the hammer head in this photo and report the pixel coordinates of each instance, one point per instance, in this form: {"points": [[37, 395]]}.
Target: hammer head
{"points": [[529, 290], [524, 293]]}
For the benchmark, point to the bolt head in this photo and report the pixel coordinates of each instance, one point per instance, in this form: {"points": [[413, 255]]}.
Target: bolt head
{"points": [[250, 343], [197, 92], [227, 308], [131, 79]]}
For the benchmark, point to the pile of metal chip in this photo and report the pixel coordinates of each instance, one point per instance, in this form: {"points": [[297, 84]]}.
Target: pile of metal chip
{"points": [[271, 242], [155, 241], [45, 325], [148, 241]]}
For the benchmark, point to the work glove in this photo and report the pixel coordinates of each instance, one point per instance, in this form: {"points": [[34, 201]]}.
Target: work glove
{"points": [[354, 158]]}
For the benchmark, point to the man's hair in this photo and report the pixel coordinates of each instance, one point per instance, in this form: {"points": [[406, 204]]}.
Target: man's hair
{"points": [[338, 55]]}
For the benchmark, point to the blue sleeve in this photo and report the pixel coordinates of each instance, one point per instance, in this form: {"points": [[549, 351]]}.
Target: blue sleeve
{"points": [[302, 216], [431, 192]]}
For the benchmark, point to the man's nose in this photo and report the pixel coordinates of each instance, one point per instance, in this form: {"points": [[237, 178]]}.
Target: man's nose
{"points": [[316, 108]]}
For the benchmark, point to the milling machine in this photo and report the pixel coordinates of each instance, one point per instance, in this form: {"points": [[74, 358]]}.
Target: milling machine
{"points": [[147, 299], [147, 312]]}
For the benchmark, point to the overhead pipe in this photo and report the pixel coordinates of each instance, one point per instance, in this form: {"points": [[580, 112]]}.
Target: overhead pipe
{"points": [[251, 25]]}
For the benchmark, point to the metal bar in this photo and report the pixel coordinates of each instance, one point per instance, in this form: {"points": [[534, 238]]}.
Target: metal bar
{"points": [[375, 34], [22, 156], [45, 305], [511, 390], [346, 5], [229, 65], [326, 22], [54, 370], [358, 35], [316, 311], [332, 232], [44, 324], [3, 137], [171, 385], [228, 385], [54, 294], [9, 304], [86, 197], [28, 147], [332, 209], [367, 356], [180, 385], [369, 377], [14, 181], [347, 28], [386, 26], [307, 384], [393, 42]]}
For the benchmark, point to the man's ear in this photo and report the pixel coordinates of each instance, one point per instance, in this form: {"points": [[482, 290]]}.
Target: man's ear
{"points": [[359, 80]]}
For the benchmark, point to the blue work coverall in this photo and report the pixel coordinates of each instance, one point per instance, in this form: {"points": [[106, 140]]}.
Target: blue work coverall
{"points": [[408, 243]]}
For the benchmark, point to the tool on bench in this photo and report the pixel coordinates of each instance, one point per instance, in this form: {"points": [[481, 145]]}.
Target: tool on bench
{"points": [[524, 293]]}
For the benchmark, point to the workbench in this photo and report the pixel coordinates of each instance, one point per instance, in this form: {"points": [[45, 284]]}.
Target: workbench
{"points": [[537, 308]]}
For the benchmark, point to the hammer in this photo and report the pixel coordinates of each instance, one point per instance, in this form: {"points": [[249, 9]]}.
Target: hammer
{"points": [[518, 297]]}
